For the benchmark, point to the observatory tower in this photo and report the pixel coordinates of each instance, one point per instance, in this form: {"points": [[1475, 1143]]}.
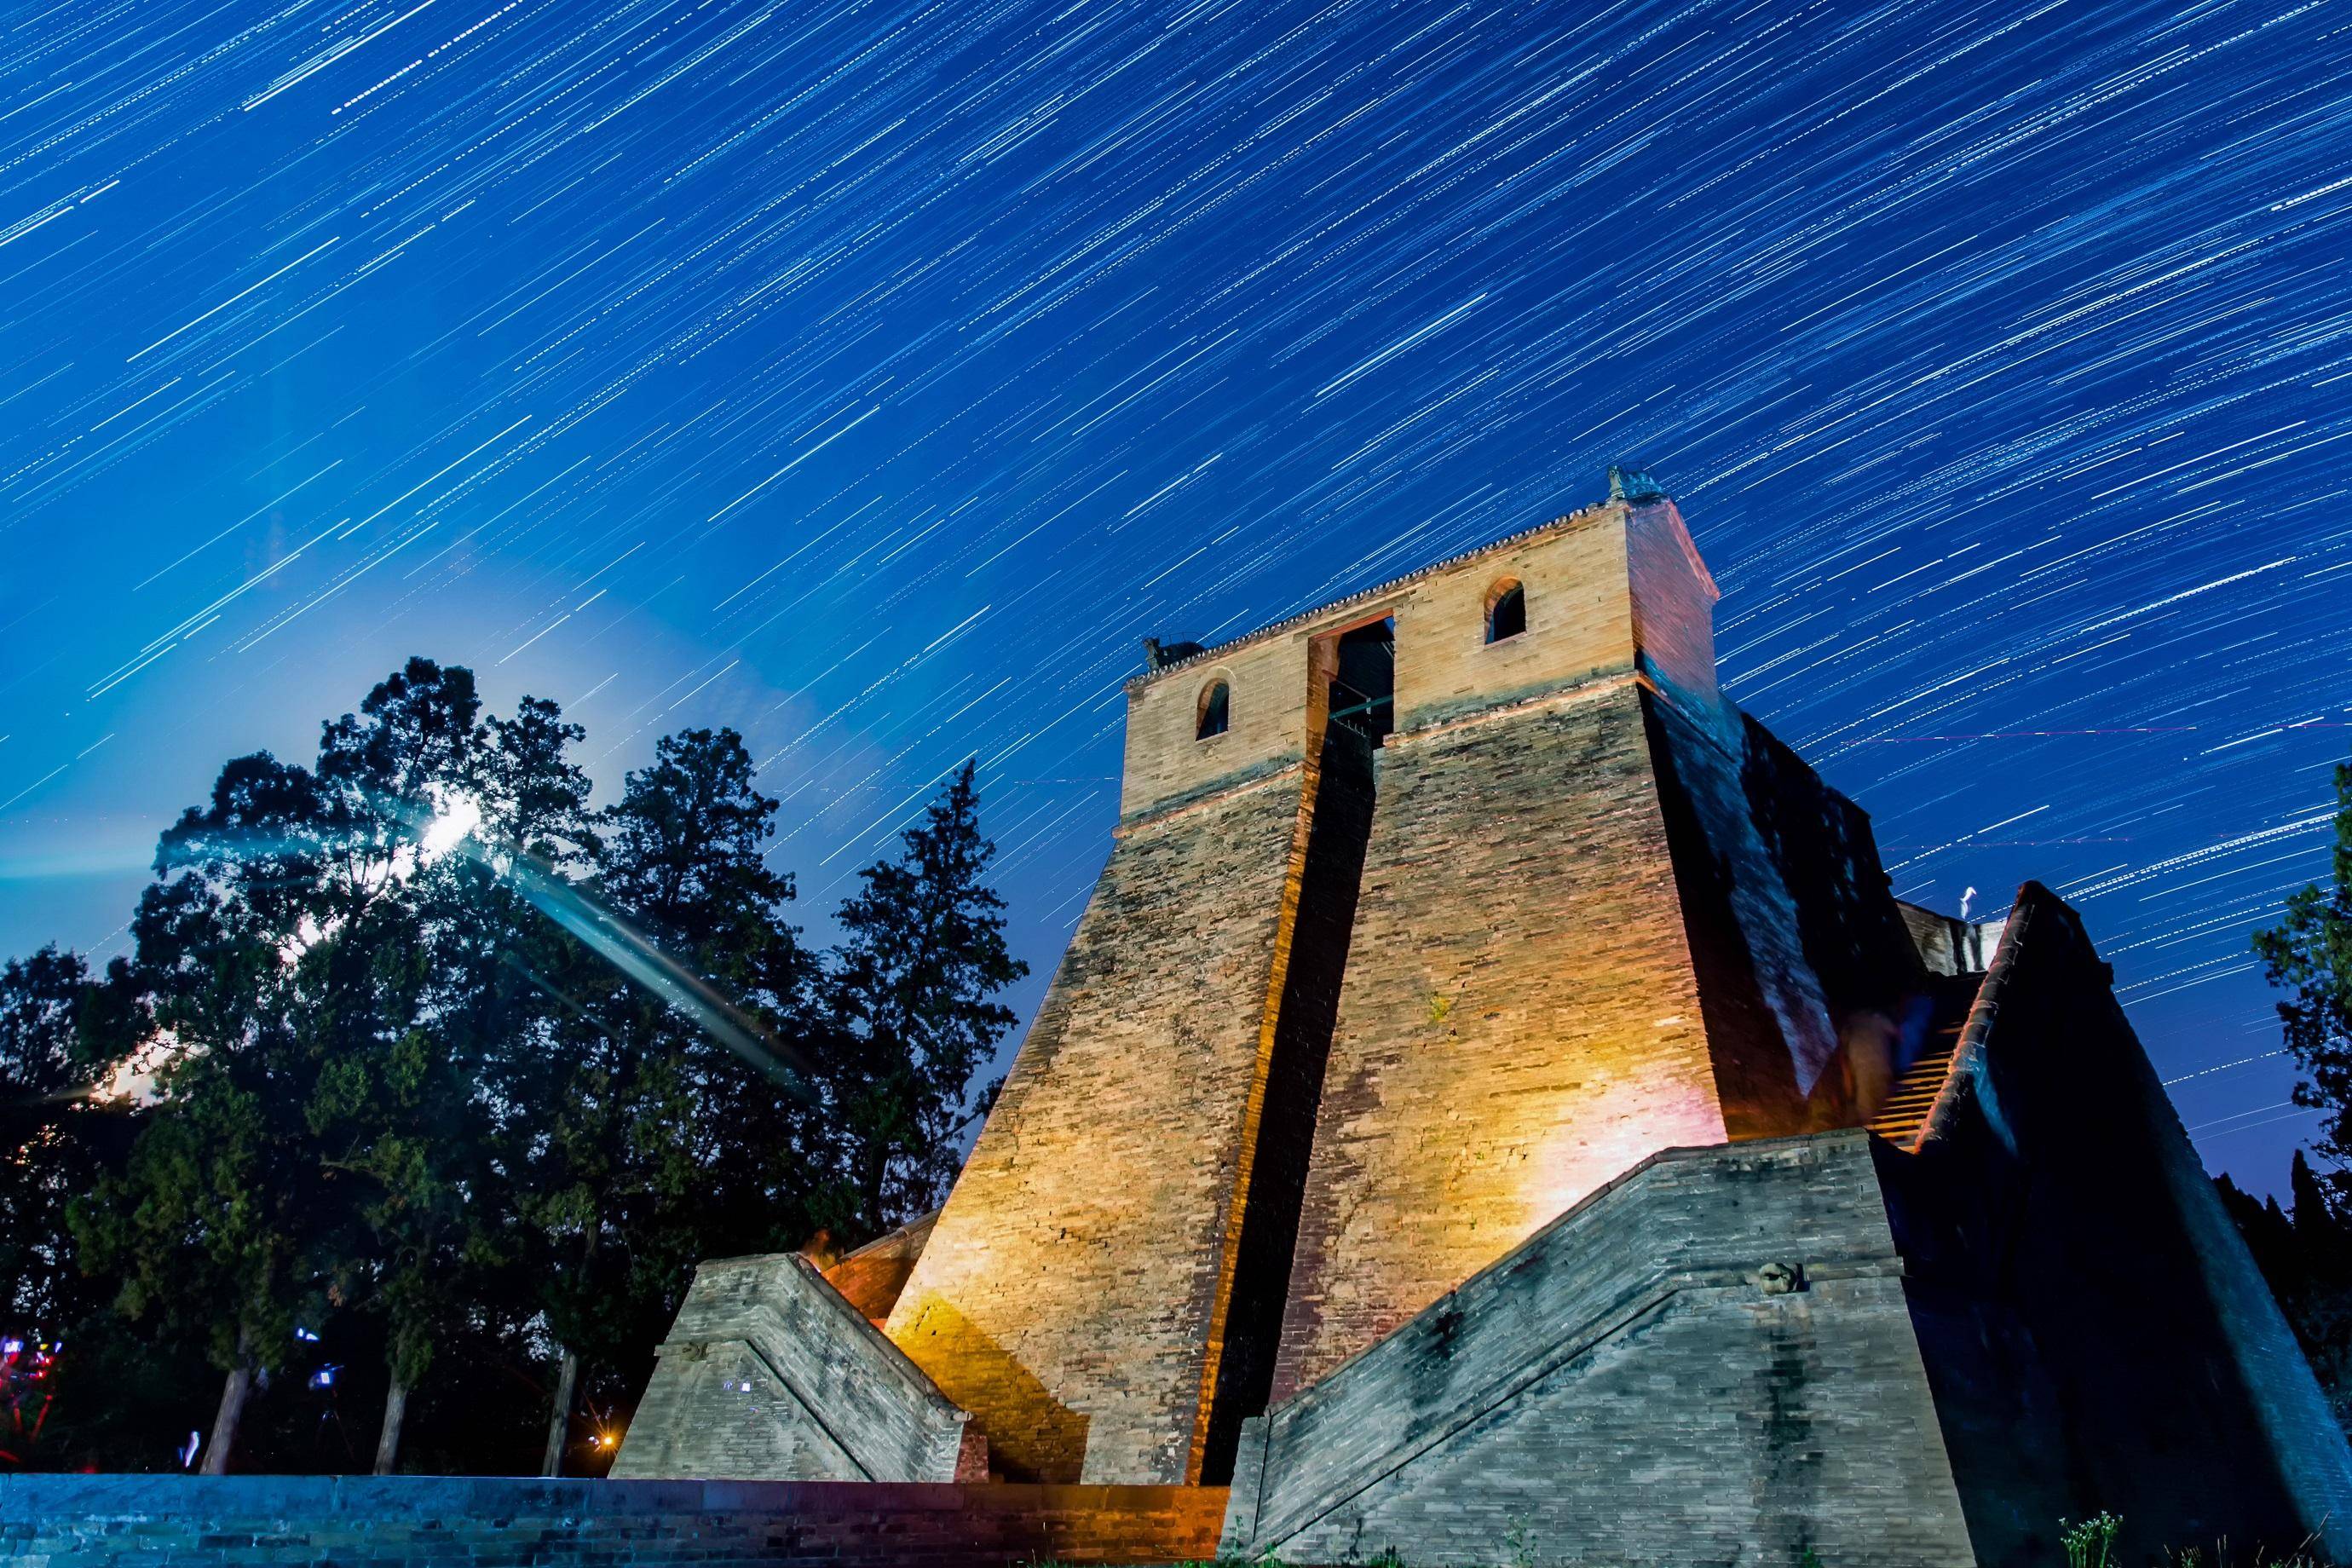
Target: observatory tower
{"points": [[1492, 1089]]}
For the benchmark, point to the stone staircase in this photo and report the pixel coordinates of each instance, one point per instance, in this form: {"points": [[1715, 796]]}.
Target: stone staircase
{"points": [[1906, 1109]]}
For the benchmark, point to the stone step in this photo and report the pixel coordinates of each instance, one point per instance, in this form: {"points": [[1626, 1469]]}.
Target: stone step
{"points": [[1905, 1111]]}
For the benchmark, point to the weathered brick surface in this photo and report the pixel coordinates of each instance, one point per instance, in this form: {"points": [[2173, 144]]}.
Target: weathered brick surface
{"points": [[871, 1278], [1518, 1024], [428, 1522], [1810, 986], [1070, 1289], [1623, 1389], [1076, 1290], [769, 1373]]}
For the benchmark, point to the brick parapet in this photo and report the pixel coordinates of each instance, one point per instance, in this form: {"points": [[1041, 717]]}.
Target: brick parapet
{"points": [[431, 1521], [1611, 589]]}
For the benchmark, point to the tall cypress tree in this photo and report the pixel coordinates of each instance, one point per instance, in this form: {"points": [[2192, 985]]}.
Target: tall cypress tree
{"points": [[913, 1015]]}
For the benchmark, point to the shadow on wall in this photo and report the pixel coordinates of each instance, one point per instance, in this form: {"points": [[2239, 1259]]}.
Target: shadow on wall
{"points": [[1032, 1436]]}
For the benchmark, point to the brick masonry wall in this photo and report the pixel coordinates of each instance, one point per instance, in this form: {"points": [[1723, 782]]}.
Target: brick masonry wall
{"points": [[871, 1278], [428, 1522], [771, 1374], [1520, 1022], [1624, 1389], [1067, 1294], [1811, 986]]}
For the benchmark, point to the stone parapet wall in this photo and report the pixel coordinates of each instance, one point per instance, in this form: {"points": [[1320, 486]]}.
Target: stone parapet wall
{"points": [[771, 1374], [437, 1521], [1709, 1360], [2097, 1333]]}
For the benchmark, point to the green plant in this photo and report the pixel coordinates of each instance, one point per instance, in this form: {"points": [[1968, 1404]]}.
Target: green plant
{"points": [[2091, 1544]]}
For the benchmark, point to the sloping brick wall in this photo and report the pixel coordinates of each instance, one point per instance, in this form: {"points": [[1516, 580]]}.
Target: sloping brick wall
{"points": [[771, 1374], [1520, 1021], [1628, 1388], [431, 1521], [1067, 1292]]}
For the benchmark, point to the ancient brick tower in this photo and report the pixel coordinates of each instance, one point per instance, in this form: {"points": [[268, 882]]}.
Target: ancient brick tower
{"points": [[1518, 1011], [1434, 921]]}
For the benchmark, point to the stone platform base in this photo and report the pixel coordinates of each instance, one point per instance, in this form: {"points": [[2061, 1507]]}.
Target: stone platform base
{"points": [[394, 1522]]}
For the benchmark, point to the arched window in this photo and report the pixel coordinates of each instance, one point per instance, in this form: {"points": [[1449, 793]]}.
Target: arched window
{"points": [[1506, 610], [1216, 704]]}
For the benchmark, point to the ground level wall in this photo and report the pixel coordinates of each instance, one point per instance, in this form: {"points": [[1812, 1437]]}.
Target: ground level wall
{"points": [[397, 1521]]}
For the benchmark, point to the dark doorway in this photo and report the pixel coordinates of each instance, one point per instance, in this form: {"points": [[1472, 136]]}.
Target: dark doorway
{"points": [[1363, 681]]}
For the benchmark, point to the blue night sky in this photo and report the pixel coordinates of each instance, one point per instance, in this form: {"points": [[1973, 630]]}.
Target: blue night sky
{"points": [[872, 376]]}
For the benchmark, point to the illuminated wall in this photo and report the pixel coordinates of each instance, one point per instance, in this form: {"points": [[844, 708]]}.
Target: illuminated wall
{"points": [[1520, 1021]]}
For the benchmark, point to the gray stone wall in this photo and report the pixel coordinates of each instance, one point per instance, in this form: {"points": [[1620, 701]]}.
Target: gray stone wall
{"points": [[769, 1373], [2083, 1299], [449, 1522], [1635, 1384]]}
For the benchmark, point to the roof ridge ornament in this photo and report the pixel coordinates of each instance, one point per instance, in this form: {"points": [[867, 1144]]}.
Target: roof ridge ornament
{"points": [[1633, 485]]}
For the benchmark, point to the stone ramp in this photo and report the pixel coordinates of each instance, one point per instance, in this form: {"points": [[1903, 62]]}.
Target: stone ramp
{"points": [[771, 1374], [1709, 1360]]}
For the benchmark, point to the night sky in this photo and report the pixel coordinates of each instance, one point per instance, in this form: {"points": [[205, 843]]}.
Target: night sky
{"points": [[872, 376]]}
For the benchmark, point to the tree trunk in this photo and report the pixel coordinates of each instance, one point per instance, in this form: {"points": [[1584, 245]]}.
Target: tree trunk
{"points": [[567, 1380], [559, 1419], [232, 1410], [395, 1410]]}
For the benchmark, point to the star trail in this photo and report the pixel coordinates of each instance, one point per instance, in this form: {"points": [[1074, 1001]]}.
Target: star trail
{"points": [[872, 376]]}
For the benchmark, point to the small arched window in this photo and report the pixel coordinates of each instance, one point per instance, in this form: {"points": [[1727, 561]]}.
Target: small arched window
{"points": [[1216, 710], [1506, 610]]}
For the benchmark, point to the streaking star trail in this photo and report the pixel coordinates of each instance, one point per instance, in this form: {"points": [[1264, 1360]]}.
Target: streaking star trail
{"points": [[871, 377]]}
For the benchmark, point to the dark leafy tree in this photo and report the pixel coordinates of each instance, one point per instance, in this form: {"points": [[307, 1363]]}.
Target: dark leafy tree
{"points": [[46, 1077], [215, 1225], [639, 1144], [282, 950], [2309, 954], [455, 1071], [911, 997], [2304, 1251], [394, 1113], [61, 1030]]}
